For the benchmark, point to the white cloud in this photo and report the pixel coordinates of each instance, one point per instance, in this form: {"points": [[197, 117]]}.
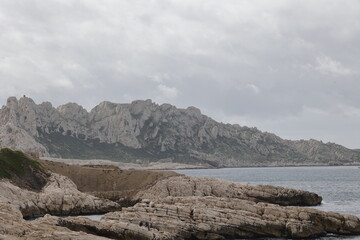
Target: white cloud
{"points": [[314, 111], [63, 83], [167, 92], [160, 78], [238, 56], [349, 111], [31, 74], [326, 65], [254, 88]]}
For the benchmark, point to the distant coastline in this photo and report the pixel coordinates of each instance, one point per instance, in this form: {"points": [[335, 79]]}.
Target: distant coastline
{"points": [[173, 165]]}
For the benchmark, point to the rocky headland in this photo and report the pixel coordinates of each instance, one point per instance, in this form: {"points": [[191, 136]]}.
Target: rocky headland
{"points": [[144, 132], [150, 205]]}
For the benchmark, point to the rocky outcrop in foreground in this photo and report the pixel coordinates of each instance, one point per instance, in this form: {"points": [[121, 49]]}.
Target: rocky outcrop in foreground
{"points": [[112, 182], [59, 197], [184, 186], [143, 132], [14, 227], [176, 218], [214, 218], [177, 207]]}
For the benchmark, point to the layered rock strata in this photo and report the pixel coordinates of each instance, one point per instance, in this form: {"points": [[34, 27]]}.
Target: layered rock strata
{"points": [[214, 218], [14, 227], [177, 206], [184, 186], [114, 183]]}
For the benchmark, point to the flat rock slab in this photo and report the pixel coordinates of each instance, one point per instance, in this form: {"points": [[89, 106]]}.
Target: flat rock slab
{"points": [[182, 186], [214, 218]]}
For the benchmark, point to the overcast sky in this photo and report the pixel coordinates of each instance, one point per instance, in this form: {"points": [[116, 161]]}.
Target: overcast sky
{"points": [[290, 67]]}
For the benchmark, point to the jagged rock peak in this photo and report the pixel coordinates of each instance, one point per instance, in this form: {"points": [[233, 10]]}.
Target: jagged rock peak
{"points": [[26, 101], [74, 111], [115, 130], [11, 102], [46, 105], [70, 106], [23, 102]]}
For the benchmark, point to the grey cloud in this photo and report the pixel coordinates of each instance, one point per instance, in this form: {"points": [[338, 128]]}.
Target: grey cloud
{"points": [[272, 64]]}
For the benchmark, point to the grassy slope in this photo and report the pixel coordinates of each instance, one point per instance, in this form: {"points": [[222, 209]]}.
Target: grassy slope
{"points": [[15, 163]]}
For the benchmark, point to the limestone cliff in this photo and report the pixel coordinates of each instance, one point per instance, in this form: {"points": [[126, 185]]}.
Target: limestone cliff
{"points": [[144, 131]]}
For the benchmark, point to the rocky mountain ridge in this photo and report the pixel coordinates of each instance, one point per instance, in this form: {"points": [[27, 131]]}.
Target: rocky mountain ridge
{"points": [[143, 131]]}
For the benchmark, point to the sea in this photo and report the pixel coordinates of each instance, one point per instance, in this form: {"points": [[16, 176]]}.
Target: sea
{"points": [[338, 185]]}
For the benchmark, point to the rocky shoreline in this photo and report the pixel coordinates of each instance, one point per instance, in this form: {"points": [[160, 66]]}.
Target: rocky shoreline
{"points": [[159, 205], [127, 166]]}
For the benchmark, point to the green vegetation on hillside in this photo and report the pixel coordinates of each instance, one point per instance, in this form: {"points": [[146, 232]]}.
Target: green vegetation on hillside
{"points": [[72, 147], [15, 163]]}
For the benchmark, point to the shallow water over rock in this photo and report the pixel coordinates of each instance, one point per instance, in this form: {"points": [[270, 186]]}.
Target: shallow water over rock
{"points": [[96, 217]]}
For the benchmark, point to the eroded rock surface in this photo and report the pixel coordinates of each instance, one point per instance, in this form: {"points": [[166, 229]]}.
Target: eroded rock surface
{"points": [[14, 227], [178, 207], [114, 229], [214, 218], [17, 138], [183, 186], [219, 218], [59, 197], [112, 183]]}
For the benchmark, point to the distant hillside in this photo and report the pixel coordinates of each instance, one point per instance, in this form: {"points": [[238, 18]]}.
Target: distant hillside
{"points": [[144, 131]]}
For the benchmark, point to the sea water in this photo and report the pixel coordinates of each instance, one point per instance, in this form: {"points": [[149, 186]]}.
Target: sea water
{"points": [[339, 186]]}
